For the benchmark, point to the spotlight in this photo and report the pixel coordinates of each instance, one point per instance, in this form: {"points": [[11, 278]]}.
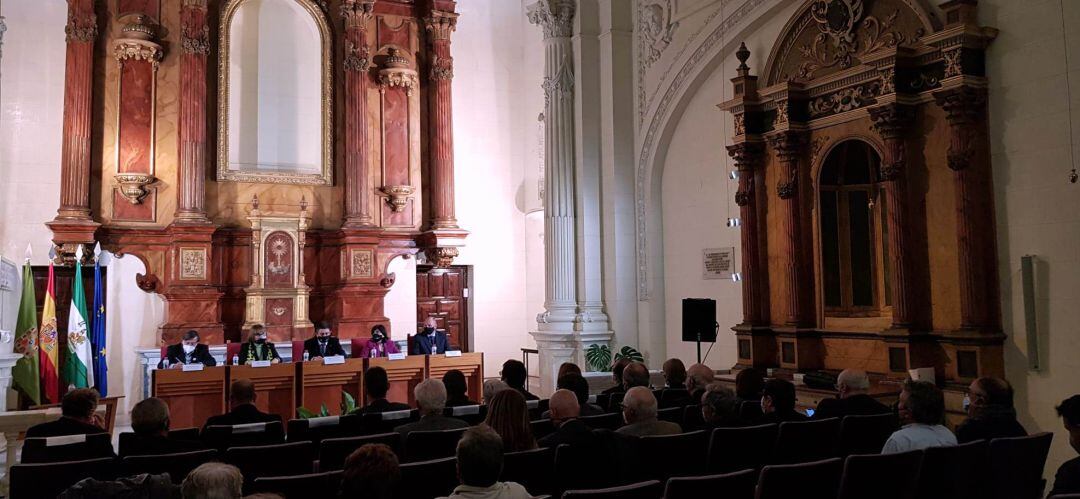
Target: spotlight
{"points": [[734, 174], [733, 222], [736, 277]]}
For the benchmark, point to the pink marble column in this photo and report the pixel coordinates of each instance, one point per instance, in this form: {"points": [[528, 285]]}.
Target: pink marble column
{"points": [[441, 134], [194, 51], [357, 58], [81, 33]]}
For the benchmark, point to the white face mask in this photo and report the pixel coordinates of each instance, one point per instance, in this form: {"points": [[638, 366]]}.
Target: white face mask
{"points": [[189, 348]]}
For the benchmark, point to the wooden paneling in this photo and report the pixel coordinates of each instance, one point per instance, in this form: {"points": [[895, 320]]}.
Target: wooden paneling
{"points": [[193, 397], [470, 364], [324, 384], [275, 387], [440, 293], [404, 376]]}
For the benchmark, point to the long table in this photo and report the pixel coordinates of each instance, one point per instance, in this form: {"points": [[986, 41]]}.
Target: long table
{"points": [[194, 396]]}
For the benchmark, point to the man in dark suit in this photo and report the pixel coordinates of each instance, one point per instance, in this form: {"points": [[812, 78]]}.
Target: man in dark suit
{"points": [[514, 375], [853, 387], [78, 417], [242, 407], [991, 413], [188, 351], [376, 384], [430, 340], [323, 344], [640, 414], [150, 420], [570, 430], [576, 383], [1067, 479], [430, 397]]}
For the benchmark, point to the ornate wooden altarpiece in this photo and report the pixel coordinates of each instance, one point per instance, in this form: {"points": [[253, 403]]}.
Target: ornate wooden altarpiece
{"points": [[913, 87], [141, 108]]}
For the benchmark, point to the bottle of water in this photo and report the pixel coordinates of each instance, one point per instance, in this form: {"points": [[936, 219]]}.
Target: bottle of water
{"points": [[165, 363], [235, 360], [374, 352], [306, 355]]}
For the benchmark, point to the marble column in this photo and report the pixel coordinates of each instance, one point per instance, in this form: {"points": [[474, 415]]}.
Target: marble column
{"points": [[81, 31], [789, 147], [441, 127], [891, 122], [747, 157], [194, 51], [357, 58]]}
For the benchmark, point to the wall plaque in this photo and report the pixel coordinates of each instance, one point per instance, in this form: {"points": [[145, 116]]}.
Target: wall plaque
{"points": [[718, 263]]}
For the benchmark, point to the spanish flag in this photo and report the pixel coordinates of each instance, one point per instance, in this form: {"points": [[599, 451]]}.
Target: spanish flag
{"points": [[50, 381]]}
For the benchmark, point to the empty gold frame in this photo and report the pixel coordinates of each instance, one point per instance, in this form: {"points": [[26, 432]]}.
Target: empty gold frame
{"points": [[267, 157]]}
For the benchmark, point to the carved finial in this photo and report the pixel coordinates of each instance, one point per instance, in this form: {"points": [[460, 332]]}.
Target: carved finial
{"points": [[303, 203], [742, 55], [255, 201]]}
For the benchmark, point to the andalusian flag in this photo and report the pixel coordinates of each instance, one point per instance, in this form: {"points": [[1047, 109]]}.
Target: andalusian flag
{"points": [[101, 368], [25, 372], [77, 371], [50, 382]]}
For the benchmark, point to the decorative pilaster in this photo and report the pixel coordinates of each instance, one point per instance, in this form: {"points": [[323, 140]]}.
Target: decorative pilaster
{"points": [[439, 26], [747, 157], [73, 224], [891, 122], [789, 147], [965, 109], [356, 60], [194, 51]]}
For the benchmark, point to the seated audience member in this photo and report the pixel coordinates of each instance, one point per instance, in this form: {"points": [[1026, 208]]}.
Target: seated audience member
{"points": [[188, 351], [456, 389], [580, 386], [1067, 479], [242, 408], [635, 374], [853, 398], [514, 375], [430, 340], [569, 429], [371, 472], [616, 376], [748, 385], [567, 368], [379, 345], [778, 402], [674, 373], [79, 416], [479, 464], [922, 410], [430, 397], [509, 417], [639, 412], [720, 407], [492, 387], [213, 481], [150, 421], [698, 376], [990, 412], [376, 384], [323, 344], [257, 347]]}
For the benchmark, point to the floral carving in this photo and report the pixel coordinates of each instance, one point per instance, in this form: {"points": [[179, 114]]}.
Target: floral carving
{"points": [[787, 190], [839, 22], [442, 68], [845, 100], [953, 66], [740, 124], [81, 29], [138, 50], [742, 198], [441, 257], [657, 31], [192, 264], [781, 113], [360, 263], [356, 58], [195, 39]]}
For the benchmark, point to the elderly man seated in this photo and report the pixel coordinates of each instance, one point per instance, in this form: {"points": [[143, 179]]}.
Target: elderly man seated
{"points": [[150, 420], [479, 464], [570, 430], [922, 412], [78, 416], [853, 398], [720, 407], [990, 412], [213, 479], [698, 376], [431, 400], [639, 411]]}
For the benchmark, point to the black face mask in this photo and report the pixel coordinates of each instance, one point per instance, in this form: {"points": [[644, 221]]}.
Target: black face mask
{"points": [[429, 331], [260, 341], [324, 339], [378, 337]]}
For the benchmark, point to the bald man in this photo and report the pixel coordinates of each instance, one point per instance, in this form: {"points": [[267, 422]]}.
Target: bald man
{"points": [[698, 376], [639, 412], [242, 407], [853, 398], [635, 374], [565, 409]]}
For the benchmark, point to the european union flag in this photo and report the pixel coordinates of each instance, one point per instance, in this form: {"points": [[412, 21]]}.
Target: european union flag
{"points": [[97, 330]]}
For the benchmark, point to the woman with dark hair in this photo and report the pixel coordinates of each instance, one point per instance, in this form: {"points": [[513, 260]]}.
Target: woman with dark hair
{"points": [[568, 368], [456, 389], [508, 415], [379, 345], [616, 375], [748, 384], [372, 471]]}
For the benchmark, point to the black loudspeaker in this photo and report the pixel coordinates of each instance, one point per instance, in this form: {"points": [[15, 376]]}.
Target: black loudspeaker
{"points": [[699, 316]]}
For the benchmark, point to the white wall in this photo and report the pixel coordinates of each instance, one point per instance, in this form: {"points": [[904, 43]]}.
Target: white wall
{"points": [[400, 302], [131, 320]]}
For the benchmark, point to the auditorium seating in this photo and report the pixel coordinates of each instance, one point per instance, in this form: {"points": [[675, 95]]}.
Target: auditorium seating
{"points": [[691, 419], [609, 421], [805, 441], [127, 440], [50, 479], [317, 429], [435, 478], [865, 434], [472, 414], [533, 469], [812, 480], [1016, 466], [641, 490], [67, 448], [428, 445], [733, 449], [383, 422], [674, 455], [954, 472], [222, 437], [541, 428], [176, 465], [865, 475], [672, 414], [271, 460], [333, 451], [300, 486], [674, 397], [737, 485]]}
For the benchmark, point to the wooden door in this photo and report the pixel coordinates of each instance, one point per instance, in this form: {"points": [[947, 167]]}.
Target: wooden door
{"points": [[444, 294]]}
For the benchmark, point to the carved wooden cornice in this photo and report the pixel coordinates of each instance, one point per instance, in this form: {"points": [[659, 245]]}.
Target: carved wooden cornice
{"points": [[556, 17], [440, 25], [892, 122], [441, 257], [138, 50], [357, 13], [789, 145]]}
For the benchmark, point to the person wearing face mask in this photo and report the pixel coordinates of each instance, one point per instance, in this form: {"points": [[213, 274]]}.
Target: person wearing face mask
{"points": [[430, 340], [323, 344], [379, 345], [188, 351], [258, 348]]}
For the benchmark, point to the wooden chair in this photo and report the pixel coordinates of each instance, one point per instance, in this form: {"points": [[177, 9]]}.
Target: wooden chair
{"points": [[176, 465], [805, 441], [674, 455], [316, 429], [221, 437], [271, 460], [866, 475], [584, 468], [610, 421], [651, 489], [472, 414], [954, 472], [428, 445], [301, 486], [50, 479], [1016, 466], [67, 448], [333, 451], [865, 434], [734, 449], [428, 479], [737, 485], [541, 428], [533, 469], [813, 480]]}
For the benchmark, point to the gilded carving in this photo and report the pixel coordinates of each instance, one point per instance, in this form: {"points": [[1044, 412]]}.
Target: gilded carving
{"points": [[133, 185], [656, 29], [888, 80], [441, 257], [953, 66], [195, 40], [357, 13], [781, 113], [138, 50], [361, 262], [397, 72], [740, 124], [839, 22], [441, 25], [278, 246], [81, 29], [356, 58], [442, 68], [192, 264]]}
